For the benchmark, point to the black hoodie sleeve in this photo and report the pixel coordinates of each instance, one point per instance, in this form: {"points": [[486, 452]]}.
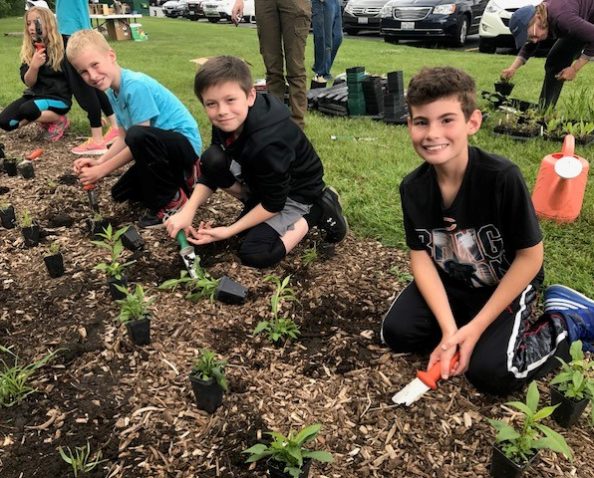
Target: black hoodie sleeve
{"points": [[24, 70], [272, 175]]}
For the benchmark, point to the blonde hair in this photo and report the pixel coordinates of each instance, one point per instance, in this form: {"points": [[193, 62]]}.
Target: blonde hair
{"points": [[83, 40], [54, 46], [541, 15]]}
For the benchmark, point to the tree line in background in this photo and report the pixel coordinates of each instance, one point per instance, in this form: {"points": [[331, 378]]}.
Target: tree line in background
{"points": [[11, 8]]}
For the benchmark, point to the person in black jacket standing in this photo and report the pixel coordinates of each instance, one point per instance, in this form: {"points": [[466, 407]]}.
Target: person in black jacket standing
{"points": [[261, 157], [572, 23]]}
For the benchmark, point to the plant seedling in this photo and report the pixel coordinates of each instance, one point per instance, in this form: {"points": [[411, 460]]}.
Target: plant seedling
{"points": [[576, 378], [309, 256], [289, 451], [111, 242], [80, 459], [54, 262], [279, 327], [26, 169], [519, 445], [134, 306], [203, 285], [26, 220], [207, 367], [14, 386], [7, 216]]}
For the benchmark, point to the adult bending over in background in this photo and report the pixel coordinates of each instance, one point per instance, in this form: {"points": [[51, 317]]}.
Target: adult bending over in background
{"points": [[572, 23]]}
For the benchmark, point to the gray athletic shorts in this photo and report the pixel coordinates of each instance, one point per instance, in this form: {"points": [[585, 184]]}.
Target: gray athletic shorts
{"points": [[283, 221]]}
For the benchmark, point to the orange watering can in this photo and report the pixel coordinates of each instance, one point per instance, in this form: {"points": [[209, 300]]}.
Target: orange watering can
{"points": [[560, 185]]}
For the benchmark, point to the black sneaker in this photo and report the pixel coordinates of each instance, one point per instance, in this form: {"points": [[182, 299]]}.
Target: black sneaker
{"points": [[150, 220], [332, 220]]}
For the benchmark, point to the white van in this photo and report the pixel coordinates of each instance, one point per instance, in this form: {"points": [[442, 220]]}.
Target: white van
{"points": [[214, 10]]}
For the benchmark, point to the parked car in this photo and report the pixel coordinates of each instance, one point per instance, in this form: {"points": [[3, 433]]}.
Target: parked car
{"points": [[214, 10], [195, 11], [452, 20], [494, 28], [362, 15], [175, 8]]}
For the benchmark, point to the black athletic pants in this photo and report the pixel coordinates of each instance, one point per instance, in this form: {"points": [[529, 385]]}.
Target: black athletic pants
{"points": [[91, 100], [512, 351], [162, 162], [29, 108], [562, 54]]}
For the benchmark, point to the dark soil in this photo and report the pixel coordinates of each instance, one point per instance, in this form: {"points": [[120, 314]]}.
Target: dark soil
{"points": [[135, 404]]}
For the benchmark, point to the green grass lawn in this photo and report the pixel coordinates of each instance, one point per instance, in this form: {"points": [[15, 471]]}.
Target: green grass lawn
{"points": [[367, 172]]}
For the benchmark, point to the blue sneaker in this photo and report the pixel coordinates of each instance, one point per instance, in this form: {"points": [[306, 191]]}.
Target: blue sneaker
{"points": [[576, 308]]}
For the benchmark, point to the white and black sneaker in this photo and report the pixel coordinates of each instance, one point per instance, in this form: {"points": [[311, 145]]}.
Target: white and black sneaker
{"points": [[332, 220]]}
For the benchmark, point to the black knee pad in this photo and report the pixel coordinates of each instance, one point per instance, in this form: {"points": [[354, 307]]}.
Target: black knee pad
{"points": [[29, 111], [135, 135], [214, 164], [266, 252]]}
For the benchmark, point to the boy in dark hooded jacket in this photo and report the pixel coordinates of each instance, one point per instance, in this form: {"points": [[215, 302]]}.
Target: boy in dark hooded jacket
{"points": [[261, 157]]}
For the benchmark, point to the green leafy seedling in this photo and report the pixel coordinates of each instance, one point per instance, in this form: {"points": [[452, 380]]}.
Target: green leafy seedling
{"points": [[279, 327], [575, 380], [135, 305], [14, 379], [519, 445], [207, 367], [54, 248], [111, 242], [26, 220], [289, 451], [309, 256], [80, 459], [202, 286]]}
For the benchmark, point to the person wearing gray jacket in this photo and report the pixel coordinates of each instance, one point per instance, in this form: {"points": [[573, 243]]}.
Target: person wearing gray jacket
{"points": [[571, 22]]}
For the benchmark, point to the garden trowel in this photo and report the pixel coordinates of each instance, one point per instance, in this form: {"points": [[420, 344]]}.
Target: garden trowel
{"points": [[425, 381], [187, 253], [92, 196]]}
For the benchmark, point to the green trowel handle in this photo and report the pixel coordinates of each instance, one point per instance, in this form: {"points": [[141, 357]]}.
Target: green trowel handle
{"points": [[181, 239]]}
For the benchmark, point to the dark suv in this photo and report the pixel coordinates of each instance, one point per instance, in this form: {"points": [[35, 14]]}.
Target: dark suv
{"points": [[452, 20], [361, 15]]}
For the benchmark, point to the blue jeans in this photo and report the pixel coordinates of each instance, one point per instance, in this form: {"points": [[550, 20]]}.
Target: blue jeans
{"points": [[327, 31]]}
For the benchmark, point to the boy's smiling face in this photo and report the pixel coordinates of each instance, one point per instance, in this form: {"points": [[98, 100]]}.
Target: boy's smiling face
{"points": [[439, 131], [98, 68], [227, 105]]}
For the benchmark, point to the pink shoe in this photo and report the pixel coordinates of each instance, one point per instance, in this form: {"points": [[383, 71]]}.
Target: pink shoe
{"points": [[89, 147], [111, 135], [56, 130]]}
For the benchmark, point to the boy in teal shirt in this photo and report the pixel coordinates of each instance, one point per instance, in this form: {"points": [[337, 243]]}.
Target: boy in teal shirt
{"points": [[157, 132]]}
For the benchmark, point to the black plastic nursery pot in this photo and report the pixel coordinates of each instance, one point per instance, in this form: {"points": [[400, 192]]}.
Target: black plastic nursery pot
{"points": [[31, 235], [275, 469], [54, 264], [503, 467], [8, 218], [26, 169], [230, 292], [98, 227], [326, 250], [132, 240], [140, 331], [10, 166], [207, 393], [115, 293], [569, 411], [504, 87]]}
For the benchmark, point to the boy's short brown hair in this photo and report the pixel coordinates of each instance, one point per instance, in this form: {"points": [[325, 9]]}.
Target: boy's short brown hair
{"points": [[222, 69], [432, 84], [82, 40]]}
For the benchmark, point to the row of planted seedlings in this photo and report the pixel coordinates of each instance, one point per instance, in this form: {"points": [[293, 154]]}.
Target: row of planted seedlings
{"points": [[514, 450], [286, 455], [31, 231]]}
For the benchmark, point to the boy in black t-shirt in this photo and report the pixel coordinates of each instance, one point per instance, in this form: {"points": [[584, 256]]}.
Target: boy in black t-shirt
{"points": [[476, 250], [261, 157]]}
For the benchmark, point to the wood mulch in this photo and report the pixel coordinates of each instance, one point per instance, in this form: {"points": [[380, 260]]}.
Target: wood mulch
{"points": [[135, 404]]}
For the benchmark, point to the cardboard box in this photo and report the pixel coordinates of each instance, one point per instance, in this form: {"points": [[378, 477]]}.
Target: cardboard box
{"points": [[118, 30]]}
